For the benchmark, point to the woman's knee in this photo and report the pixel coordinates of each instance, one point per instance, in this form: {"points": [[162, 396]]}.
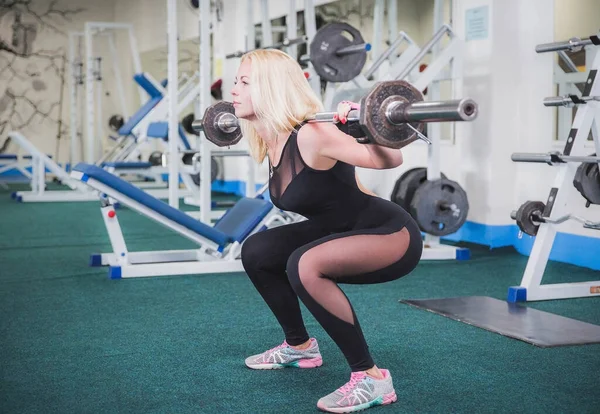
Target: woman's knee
{"points": [[253, 252], [293, 268], [300, 271]]}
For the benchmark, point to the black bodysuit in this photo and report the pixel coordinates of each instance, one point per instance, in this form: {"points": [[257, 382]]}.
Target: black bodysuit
{"points": [[349, 237]]}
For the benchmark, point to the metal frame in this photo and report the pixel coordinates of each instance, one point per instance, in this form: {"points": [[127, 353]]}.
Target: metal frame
{"points": [[79, 192], [367, 80], [172, 85], [445, 64], [91, 29], [531, 288], [565, 82]]}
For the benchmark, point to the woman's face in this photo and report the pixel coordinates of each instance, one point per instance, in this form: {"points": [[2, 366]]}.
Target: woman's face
{"points": [[242, 102]]}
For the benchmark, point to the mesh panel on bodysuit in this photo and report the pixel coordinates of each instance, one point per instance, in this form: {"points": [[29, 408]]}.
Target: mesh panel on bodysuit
{"points": [[347, 259], [290, 165]]}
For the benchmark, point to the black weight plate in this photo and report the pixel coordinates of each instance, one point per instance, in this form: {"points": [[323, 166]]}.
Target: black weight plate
{"points": [[440, 207], [398, 195], [407, 184], [215, 169], [115, 122], [525, 219], [328, 65], [186, 123], [155, 158], [212, 132], [587, 181], [373, 117]]}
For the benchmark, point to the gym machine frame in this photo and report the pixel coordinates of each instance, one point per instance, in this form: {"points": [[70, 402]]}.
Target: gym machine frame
{"points": [[438, 70], [91, 29], [446, 64], [555, 211], [204, 146]]}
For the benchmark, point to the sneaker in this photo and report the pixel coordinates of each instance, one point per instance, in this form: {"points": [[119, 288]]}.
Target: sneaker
{"points": [[360, 393], [284, 356]]}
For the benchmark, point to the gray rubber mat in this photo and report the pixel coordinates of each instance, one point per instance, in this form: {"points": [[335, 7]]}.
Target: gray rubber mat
{"points": [[513, 320]]}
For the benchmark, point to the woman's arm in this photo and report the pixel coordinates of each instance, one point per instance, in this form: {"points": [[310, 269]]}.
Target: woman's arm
{"points": [[327, 140]]}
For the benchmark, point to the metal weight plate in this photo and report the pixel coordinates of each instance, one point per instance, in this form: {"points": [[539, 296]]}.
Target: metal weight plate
{"points": [[212, 132], [399, 193], [587, 181], [407, 184], [186, 123], [155, 158], [373, 119], [215, 168], [115, 122], [440, 207], [525, 216], [328, 65]]}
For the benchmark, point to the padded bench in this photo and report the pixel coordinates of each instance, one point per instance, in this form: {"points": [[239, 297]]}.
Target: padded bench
{"points": [[234, 226], [126, 165]]}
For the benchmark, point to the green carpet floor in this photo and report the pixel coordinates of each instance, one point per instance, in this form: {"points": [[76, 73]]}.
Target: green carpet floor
{"points": [[74, 341]]}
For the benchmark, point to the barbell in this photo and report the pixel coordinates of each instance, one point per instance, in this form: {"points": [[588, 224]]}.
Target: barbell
{"points": [[338, 52], [531, 215], [392, 115]]}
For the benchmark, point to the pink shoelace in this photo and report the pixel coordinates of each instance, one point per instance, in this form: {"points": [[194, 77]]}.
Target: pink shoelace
{"points": [[355, 378]]}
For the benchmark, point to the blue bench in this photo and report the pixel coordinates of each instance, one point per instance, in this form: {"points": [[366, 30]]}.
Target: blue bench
{"points": [[234, 226]]}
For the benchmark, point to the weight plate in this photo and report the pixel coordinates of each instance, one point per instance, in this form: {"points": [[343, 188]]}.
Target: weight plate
{"points": [[525, 216], [587, 181], [440, 207], [374, 120], [155, 158], [115, 122], [186, 123], [407, 184], [328, 65], [211, 130], [215, 169]]}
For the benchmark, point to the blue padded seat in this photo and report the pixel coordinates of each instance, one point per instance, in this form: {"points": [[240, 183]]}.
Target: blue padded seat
{"points": [[161, 130], [244, 216], [235, 225], [133, 165]]}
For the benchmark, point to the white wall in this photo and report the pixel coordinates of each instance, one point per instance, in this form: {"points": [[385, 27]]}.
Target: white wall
{"points": [[576, 18]]}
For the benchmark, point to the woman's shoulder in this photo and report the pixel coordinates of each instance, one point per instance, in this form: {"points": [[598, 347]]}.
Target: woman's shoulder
{"points": [[316, 132]]}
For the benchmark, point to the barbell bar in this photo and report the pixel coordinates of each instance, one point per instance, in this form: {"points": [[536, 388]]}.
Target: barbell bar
{"points": [[385, 117], [396, 113], [574, 44], [551, 158], [535, 217], [348, 50], [569, 100], [285, 43]]}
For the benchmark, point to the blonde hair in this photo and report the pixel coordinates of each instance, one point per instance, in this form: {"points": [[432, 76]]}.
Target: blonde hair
{"points": [[281, 96]]}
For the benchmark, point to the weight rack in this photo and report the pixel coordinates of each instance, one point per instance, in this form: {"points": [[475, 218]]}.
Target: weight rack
{"points": [[555, 209]]}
